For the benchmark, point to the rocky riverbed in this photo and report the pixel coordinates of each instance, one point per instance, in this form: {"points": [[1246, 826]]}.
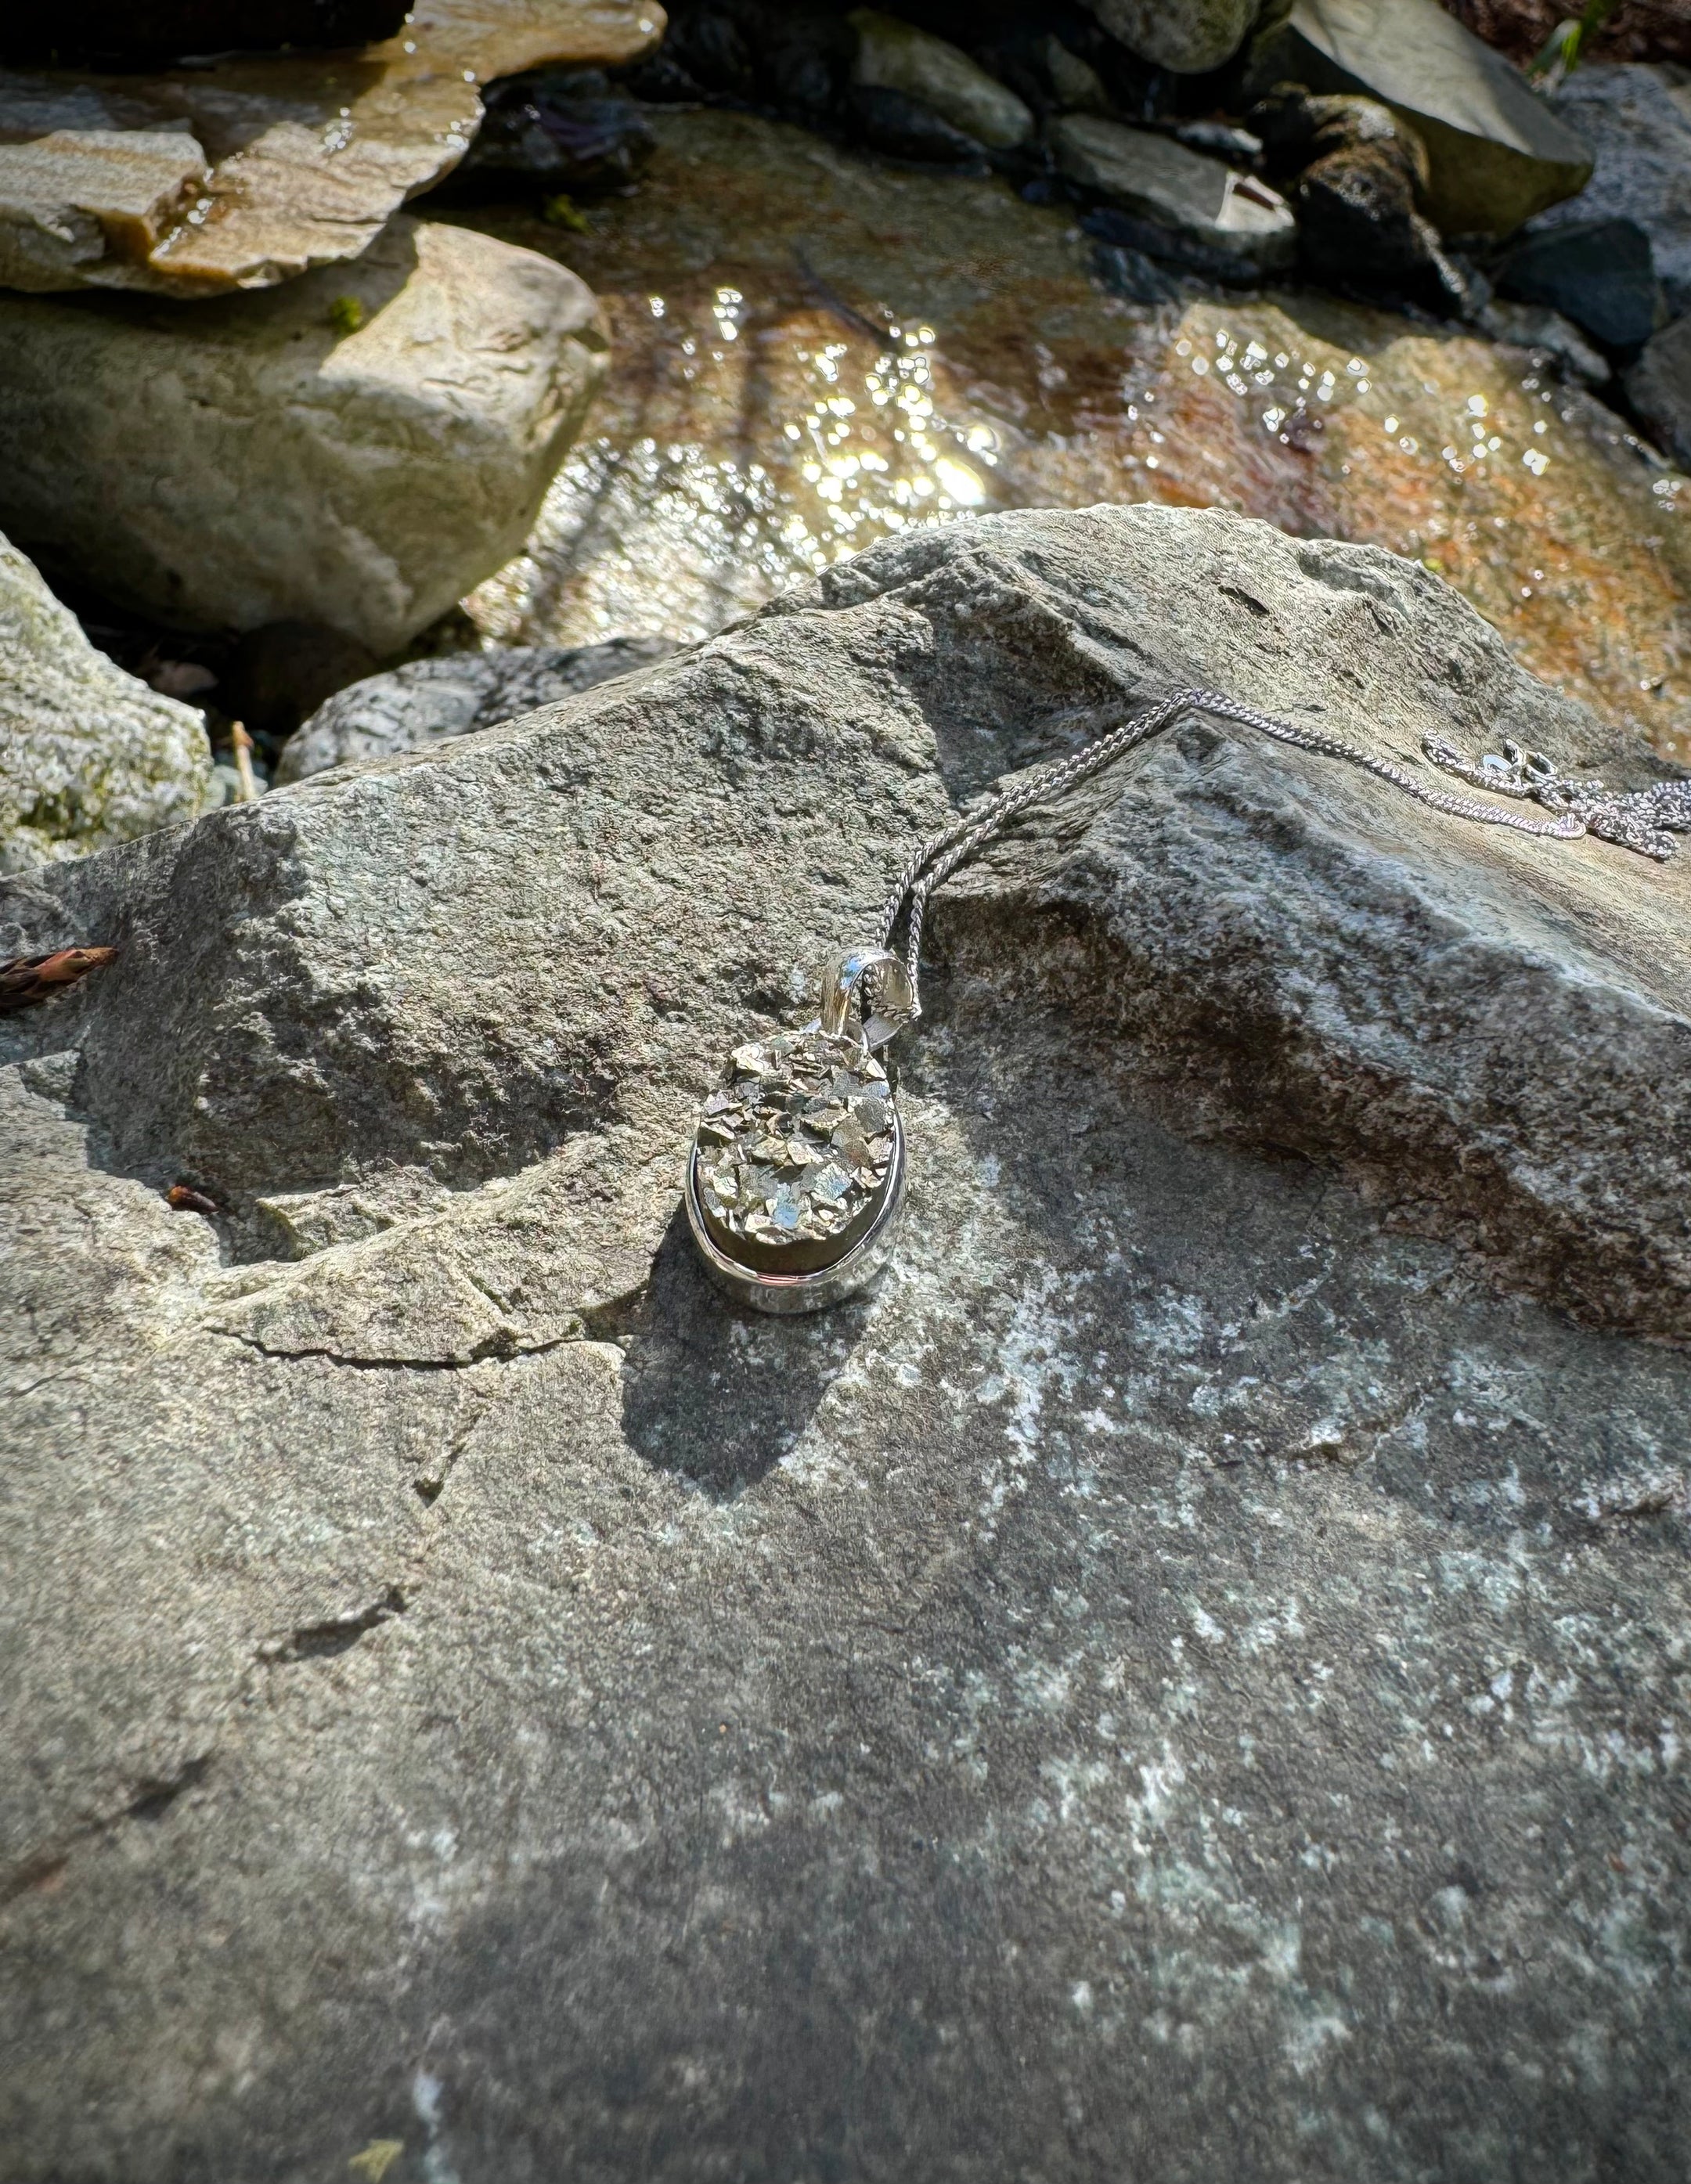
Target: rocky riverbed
{"points": [[804, 369], [1185, 1675]]}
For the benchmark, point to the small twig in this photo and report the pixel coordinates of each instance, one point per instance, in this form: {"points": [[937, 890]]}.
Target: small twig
{"points": [[26, 981], [243, 763]]}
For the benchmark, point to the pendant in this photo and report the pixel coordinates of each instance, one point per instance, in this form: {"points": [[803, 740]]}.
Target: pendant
{"points": [[797, 1171]]}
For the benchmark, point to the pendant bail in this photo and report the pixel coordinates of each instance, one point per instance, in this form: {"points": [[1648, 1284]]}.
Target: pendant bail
{"points": [[885, 1005]]}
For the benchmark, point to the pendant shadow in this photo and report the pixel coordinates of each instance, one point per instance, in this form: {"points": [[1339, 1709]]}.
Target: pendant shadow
{"points": [[714, 1393]]}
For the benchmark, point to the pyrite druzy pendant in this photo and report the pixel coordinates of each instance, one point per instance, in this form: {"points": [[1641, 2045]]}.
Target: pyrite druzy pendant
{"points": [[796, 1172]]}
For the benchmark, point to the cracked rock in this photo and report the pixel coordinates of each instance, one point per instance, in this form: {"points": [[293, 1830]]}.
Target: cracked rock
{"points": [[1213, 1582]]}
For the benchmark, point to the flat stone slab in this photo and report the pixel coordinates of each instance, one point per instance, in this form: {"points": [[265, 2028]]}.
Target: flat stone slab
{"points": [[75, 196], [1188, 1670], [1183, 190], [308, 155]]}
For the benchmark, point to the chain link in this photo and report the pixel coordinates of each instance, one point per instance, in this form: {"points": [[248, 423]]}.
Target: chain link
{"points": [[939, 857]]}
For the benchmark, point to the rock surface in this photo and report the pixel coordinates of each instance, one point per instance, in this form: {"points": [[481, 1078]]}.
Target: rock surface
{"points": [[77, 196], [1659, 385], [896, 56], [1637, 121], [1498, 155], [1190, 35], [251, 462], [1532, 326], [309, 154], [1597, 272], [1181, 1670], [1183, 190], [426, 700], [1358, 174], [89, 755]]}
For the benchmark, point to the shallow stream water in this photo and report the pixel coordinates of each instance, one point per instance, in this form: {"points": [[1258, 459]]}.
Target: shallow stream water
{"points": [[814, 350]]}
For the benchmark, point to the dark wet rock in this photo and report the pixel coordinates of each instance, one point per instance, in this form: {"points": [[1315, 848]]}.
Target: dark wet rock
{"points": [[1176, 1674], [1546, 333], [1165, 245], [705, 50], [907, 128], [1189, 36], [796, 59], [122, 32], [563, 128], [1659, 386], [1356, 174], [894, 55], [1637, 122], [427, 700], [416, 405], [1497, 155], [1600, 273], [1133, 275], [1151, 177]]}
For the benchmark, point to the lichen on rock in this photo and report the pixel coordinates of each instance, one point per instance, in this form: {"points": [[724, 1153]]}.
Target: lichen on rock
{"points": [[89, 756]]}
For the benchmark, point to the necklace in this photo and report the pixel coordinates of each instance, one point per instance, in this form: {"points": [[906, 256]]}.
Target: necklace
{"points": [[797, 1168]]}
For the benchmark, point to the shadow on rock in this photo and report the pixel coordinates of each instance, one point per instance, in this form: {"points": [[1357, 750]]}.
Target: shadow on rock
{"points": [[716, 1394]]}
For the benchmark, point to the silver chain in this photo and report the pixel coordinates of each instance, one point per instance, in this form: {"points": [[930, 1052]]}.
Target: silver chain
{"points": [[1642, 819]]}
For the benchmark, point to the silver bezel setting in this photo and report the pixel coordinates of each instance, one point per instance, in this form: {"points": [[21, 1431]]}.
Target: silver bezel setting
{"points": [[786, 1293]]}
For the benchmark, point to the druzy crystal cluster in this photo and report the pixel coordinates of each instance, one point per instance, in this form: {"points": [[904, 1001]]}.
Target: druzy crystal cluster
{"points": [[795, 1145]]}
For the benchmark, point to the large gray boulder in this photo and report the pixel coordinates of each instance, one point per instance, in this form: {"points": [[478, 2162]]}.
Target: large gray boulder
{"points": [[1637, 121], [89, 755], [1176, 1676], [1496, 152], [427, 699], [358, 448]]}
